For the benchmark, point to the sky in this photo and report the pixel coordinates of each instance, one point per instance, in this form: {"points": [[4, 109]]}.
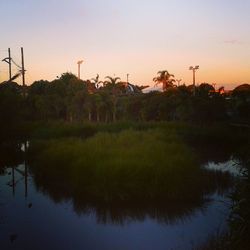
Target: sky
{"points": [[135, 37]]}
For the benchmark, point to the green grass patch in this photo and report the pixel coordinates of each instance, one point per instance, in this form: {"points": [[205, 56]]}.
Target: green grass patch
{"points": [[147, 165]]}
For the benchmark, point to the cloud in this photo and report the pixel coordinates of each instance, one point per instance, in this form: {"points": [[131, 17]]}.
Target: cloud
{"points": [[233, 42]]}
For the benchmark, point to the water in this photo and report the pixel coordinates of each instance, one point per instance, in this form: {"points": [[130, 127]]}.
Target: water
{"points": [[231, 166], [34, 218]]}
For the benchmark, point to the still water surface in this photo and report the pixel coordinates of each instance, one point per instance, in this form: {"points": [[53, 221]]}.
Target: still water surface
{"points": [[30, 219]]}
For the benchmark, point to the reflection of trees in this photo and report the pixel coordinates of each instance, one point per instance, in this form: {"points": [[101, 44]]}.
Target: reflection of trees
{"points": [[12, 162], [168, 212], [216, 143], [161, 206]]}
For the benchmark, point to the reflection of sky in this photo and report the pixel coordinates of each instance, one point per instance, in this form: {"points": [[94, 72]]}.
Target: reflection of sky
{"points": [[231, 166], [47, 225], [138, 37]]}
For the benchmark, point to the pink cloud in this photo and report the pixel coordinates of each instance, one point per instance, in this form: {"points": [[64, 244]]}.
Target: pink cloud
{"points": [[233, 41]]}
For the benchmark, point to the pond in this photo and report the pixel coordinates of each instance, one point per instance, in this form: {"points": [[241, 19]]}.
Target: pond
{"points": [[34, 216]]}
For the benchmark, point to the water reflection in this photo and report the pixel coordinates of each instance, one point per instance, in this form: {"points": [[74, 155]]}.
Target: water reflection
{"points": [[23, 172], [168, 209], [12, 155], [52, 203], [231, 166]]}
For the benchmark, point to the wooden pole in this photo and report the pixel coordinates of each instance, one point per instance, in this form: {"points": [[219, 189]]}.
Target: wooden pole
{"points": [[23, 70], [194, 77], [9, 63], [13, 181], [25, 170]]}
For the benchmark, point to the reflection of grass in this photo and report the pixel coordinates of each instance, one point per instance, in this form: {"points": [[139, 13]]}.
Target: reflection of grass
{"points": [[130, 165]]}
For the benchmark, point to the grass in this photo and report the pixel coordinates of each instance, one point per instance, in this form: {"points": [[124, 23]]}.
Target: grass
{"points": [[146, 165], [130, 166]]}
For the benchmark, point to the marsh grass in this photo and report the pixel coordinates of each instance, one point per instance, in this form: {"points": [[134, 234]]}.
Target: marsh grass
{"points": [[130, 165], [55, 130]]}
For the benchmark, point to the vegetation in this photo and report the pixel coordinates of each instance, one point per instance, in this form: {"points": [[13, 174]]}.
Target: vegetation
{"points": [[165, 78], [126, 169], [72, 100], [240, 218], [119, 147]]}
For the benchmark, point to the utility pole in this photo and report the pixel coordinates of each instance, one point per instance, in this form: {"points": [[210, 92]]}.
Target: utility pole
{"points": [[13, 181], [79, 68], [9, 63], [25, 170], [8, 60], [23, 70], [194, 70]]}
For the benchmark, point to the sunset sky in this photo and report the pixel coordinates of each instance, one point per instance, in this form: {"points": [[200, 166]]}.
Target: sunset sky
{"points": [[139, 37]]}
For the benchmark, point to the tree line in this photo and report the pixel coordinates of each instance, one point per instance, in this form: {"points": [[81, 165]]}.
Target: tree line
{"points": [[68, 98]]}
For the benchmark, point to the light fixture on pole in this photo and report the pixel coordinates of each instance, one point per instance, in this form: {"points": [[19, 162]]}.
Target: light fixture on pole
{"points": [[79, 68], [194, 70], [127, 80]]}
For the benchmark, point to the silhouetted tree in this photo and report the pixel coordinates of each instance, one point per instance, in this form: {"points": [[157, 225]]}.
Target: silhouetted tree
{"points": [[165, 78]]}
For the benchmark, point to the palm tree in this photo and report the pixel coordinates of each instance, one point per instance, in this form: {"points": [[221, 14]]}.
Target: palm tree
{"points": [[89, 104], [165, 79], [96, 81], [114, 89], [111, 80], [99, 104]]}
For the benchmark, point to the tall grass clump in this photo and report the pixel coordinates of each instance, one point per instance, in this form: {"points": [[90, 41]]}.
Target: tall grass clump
{"points": [[55, 130], [130, 165]]}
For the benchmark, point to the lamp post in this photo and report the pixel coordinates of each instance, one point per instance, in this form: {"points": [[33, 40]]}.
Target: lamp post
{"points": [[127, 78], [194, 70], [79, 68]]}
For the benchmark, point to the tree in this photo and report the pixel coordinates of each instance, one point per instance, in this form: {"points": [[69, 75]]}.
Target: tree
{"points": [[112, 81], [241, 102], [11, 107], [89, 105], [66, 77], [99, 104], [204, 90], [96, 81], [165, 78], [112, 86]]}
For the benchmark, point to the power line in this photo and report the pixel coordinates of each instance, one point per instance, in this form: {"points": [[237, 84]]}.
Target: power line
{"points": [[20, 67], [20, 70]]}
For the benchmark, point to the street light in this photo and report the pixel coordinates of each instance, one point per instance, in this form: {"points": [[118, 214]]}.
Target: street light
{"points": [[79, 67], [127, 77], [194, 70]]}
